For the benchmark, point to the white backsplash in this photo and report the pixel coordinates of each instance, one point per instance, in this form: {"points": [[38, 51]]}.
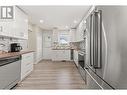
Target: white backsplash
{"points": [[5, 43]]}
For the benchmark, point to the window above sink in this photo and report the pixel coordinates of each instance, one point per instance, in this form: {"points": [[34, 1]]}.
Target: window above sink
{"points": [[63, 39]]}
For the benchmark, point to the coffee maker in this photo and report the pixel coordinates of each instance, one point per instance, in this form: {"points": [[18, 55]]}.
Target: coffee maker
{"points": [[15, 47]]}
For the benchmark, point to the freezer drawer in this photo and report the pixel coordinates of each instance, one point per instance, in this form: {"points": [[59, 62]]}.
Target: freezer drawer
{"points": [[93, 81]]}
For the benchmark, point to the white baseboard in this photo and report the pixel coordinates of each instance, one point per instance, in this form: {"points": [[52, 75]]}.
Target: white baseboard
{"points": [[37, 61]]}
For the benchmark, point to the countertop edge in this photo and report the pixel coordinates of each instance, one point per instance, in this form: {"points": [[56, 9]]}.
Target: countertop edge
{"points": [[12, 54]]}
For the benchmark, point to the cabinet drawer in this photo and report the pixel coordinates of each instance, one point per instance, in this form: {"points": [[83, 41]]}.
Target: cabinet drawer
{"points": [[29, 67], [26, 66], [27, 57]]}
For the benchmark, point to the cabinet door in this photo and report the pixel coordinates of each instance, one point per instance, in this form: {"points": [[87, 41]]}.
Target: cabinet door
{"points": [[66, 54], [6, 28], [58, 55], [18, 27], [55, 36], [73, 35], [76, 57], [26, 64], [54, 55], [61, 55], [24, 29], [80, 31], [20, 24]]}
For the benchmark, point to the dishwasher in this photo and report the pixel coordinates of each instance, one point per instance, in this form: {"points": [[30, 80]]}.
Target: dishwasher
{"points": [[10, 69]]}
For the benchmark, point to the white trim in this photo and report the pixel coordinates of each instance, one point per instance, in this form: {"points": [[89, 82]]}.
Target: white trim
{"points": [[37, 61]]}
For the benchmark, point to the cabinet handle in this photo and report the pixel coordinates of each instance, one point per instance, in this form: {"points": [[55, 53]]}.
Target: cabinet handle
{"points": [[91, 31]]}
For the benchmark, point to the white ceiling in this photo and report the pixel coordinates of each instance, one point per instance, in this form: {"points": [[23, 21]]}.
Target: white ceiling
{"points": [[55, 16]]}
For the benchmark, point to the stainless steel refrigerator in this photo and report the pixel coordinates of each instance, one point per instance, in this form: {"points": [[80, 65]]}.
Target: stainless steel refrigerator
{"points": [[106, 64]]}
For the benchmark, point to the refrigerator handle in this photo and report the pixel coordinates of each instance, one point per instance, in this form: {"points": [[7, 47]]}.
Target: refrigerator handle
{"points": [[91, 29], [94, 41], [98, 40]]}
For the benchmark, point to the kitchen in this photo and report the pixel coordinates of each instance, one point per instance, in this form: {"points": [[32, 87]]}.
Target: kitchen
{"points": [[63, 47]]}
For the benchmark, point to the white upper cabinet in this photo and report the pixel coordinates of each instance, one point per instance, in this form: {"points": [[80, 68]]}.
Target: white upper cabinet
{"points": [[55, 35], [21, 23], [4, 31], [17, 27], [77, 34], [73, 35], [80, 31]]}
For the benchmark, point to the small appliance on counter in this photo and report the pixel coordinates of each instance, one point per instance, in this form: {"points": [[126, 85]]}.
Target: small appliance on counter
{"points": [[15, 47]]}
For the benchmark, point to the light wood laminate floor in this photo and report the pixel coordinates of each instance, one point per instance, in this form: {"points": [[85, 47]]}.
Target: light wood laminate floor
{"points": [[53, 75]]}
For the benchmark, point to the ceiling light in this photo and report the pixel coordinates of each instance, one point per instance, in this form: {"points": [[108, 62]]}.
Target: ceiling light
{"points": [[26, 20], [41, 21], [75, 21], [66, 27]]}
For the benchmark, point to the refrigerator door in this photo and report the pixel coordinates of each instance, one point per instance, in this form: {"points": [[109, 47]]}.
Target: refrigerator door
{"points": [[114, 47], [90, 41], [94, 37], [97, 38]]}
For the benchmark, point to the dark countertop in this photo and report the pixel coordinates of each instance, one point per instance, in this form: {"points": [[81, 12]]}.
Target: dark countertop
{"points": [[11, 54]]}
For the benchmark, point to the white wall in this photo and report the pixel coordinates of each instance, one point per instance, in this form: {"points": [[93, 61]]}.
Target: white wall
{"points": [[31, 38], [35, 41], [38, 44]]}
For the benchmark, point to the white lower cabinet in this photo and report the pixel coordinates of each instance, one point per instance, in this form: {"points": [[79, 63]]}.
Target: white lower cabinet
{"points": [[59, 55], [76, 57], [26, 64]]}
